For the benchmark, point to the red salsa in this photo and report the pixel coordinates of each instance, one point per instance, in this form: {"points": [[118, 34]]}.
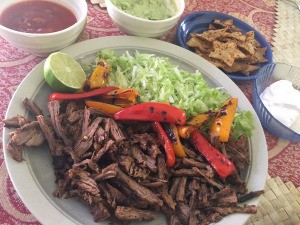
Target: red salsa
{"points": [[37, 17]]}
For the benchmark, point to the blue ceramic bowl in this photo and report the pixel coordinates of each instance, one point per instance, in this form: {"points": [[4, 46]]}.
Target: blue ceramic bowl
{"points": [[197, 22], [265, 77]]}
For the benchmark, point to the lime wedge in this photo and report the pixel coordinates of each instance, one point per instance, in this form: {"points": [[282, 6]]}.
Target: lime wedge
{"points": [[63, 73]]}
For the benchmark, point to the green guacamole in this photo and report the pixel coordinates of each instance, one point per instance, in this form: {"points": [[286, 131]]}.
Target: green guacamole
{"points": [[147, 9]]}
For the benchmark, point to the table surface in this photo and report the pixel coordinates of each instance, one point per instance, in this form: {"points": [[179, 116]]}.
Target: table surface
{"points": [[15, 64]]}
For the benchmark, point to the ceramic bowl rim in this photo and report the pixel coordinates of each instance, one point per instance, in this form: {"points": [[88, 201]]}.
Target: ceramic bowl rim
{"points": [[81, 20], [177, 15]]}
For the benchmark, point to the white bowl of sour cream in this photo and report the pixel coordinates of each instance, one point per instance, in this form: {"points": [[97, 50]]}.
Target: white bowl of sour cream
{"points": [[276, 97], [147, 18], [42, 27]]}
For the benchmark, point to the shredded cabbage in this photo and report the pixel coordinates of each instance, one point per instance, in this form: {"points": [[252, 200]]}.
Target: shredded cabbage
{"points": [[242, 124], [158, 80]]}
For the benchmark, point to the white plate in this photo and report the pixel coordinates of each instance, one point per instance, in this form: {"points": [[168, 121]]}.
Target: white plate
{"points": [[33, 178]]}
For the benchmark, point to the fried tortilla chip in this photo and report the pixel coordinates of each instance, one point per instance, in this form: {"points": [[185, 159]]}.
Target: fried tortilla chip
{"points": [[218, 63], [212, 35], [248, 47], [232, 29], [250, 69], [220, 23], [236, 35], [198, 52], [236, 67], [242, 45], [228, 48], [193, 42], [226, 52], [258, 56], [250, 37], [202, 45], [212, 27]]}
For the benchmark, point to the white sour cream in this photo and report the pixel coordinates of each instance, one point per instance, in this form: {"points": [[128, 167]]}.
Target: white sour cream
{"points": [[283, 101]]}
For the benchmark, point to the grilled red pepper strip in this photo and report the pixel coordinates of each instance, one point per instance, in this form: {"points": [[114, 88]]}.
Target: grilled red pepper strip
{"points": [[152, 111], [223, 166], [77, 96], [165, 141]]}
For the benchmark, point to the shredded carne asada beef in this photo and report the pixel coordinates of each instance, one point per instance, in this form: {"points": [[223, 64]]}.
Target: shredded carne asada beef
{"points": [[119, 169], [15, 151], [32, 107], [17, 121]]}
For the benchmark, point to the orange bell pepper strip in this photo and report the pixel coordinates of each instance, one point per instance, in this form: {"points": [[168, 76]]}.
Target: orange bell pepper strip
{"points": [[184, 131], [200, 119], [107, 108], [119, 102], [172, 133], [177, 146], [221, 125], [99, 77], [123, 97], [129, 94]]}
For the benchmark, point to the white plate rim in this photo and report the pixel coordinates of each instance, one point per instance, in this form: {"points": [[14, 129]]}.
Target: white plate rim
{"points": [[22, 177]]}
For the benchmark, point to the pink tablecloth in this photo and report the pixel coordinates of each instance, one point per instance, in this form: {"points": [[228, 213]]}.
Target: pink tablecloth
{"points": [[15, 64]]}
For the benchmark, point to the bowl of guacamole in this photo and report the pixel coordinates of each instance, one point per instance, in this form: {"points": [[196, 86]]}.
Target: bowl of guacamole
{"points": [[148, 9], [146, 18]]}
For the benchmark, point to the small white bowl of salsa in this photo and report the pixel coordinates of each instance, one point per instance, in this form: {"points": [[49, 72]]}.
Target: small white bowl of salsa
{"points": [[42, 27]]}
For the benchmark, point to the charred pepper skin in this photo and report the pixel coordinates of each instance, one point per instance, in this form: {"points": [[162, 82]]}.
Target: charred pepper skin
{"points": [[220, 163], [165, 141], [152, 111], [122, 96], [221, 126], [99, 77], [104, 107], [172, 133]]}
